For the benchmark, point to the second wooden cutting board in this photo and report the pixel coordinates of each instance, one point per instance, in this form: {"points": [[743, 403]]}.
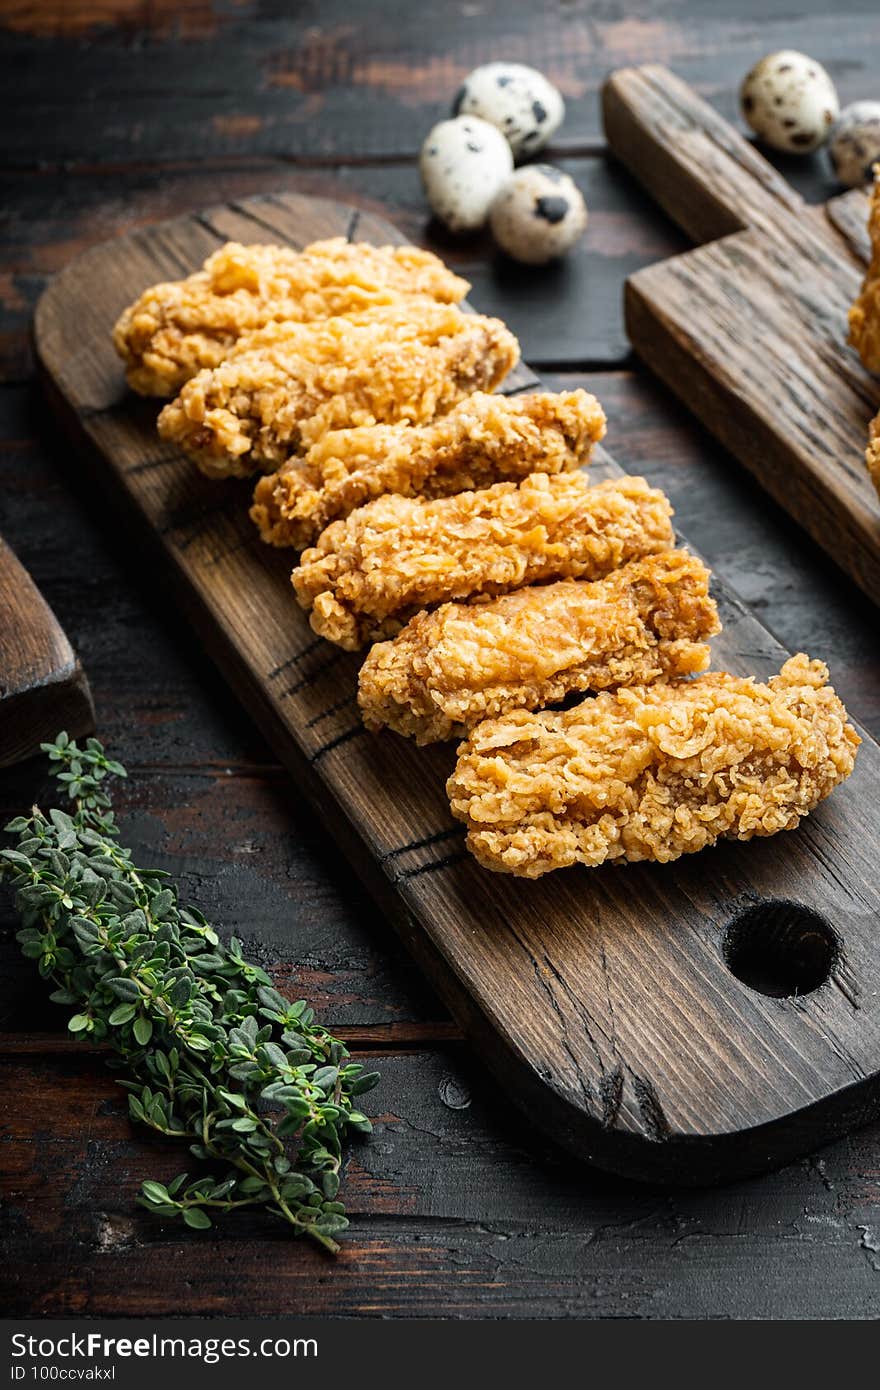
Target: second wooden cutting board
{"points": [[750, 329], [686, 1022]]}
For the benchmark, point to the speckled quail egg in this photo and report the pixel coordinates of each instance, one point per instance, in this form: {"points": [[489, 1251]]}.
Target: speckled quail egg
{"points": [[789, 101], [519, 100], [463, 164], [854, 143], [538, 214]]}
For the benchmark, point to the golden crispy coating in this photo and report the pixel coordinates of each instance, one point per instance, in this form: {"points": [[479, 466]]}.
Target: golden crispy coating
{"points": [[464, 661], [369, 574], [652, 772], [482, 440], [864, 316], [175, 329], [265, 402], [872, 454]]}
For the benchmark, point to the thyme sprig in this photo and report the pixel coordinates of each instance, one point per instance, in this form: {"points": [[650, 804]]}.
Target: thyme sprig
{"points": [[212, 1053]]}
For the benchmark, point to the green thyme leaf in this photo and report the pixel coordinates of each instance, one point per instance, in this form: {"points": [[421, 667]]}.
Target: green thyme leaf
{"points": [[215, 1055], [197, 1218]]}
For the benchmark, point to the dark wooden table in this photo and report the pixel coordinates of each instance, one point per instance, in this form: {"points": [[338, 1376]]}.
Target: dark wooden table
{"points": [[118, 114]]}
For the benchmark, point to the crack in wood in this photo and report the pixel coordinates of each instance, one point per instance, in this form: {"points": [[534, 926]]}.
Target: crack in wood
{"points": [[402, 875], [357, 732], [652, 1112], [336, 656], [454, 830], [147, 464], [333, 709], [203, 221], [292, 660], [611, 1096]]}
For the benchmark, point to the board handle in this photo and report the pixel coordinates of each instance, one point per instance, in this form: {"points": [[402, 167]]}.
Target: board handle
{"points": [[708, 178]]}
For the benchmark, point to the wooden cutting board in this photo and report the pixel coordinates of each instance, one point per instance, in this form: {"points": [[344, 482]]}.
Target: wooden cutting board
{"points": [[750, 329], [43, 688], [603, 1000]]}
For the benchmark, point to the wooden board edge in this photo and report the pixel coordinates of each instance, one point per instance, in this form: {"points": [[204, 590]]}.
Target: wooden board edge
{"points": [[30, 718], [48, 691]]}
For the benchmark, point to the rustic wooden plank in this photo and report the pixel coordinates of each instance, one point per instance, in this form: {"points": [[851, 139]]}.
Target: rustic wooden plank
{"points": [[563, 984], [42, 685], [570, 313], [455, 1212], [751, 329], [368, 81]]}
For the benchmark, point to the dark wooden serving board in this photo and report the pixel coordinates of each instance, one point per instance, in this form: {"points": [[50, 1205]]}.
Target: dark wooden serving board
{"points": [[601, 999], [750, 329], [43, 687]]}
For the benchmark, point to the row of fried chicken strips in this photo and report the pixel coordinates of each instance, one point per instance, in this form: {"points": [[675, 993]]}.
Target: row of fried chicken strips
{"points": [[457, 532]]}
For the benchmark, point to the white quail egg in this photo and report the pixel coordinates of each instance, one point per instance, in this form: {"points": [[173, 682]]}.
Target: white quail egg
{"points": [[789, 101], [519, 100], [538, 214], [463, 164], [854, 143]]}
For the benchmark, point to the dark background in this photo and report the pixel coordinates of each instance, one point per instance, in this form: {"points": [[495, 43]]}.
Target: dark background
{"points": [[118, 113]]}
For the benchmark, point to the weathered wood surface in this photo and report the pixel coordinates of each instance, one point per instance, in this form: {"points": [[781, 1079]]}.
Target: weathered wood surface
{"points": [[795, 1243], [321, 83], [602, 1000], [750, 329], [457, 1212], [42, 685]]}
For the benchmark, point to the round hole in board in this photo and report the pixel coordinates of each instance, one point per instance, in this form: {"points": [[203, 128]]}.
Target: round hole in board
{"points": [[781, 949]]}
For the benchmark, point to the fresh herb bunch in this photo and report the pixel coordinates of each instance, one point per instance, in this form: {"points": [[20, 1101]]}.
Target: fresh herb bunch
{"points": [[212, 1053]]}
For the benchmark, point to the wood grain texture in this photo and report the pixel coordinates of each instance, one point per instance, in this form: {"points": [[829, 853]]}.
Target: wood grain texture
{"points": [[601, 999], [751, 329], [319, 83], [43, 688], [456, 1212]]}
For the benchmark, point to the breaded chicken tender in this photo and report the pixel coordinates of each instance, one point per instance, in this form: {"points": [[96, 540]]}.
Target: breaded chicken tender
{"points": [[872, 453], [482, 440], [452, 667], [864, 316], [369, 574], [864, 324], [652, 772], [175, 329], [268, 401]]}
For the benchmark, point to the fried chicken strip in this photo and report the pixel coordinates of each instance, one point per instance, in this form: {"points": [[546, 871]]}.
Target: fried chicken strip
{"points": [[268, 401], [454, 666], [864, 324], [370, 573], [175, 329], [872, 453], [482, 440], [864, 316], [652, 772]]}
